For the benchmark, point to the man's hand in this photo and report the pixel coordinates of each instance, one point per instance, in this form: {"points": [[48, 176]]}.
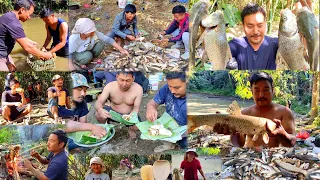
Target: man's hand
{"points": [[98, 131], [47, 55], [104, 113], [18, 104], [27, 164], [151, 114], [34, 154], [163, 33], [57, 93], [125, 52], [165, 40], [130, 37], [279, 128], [223, 129]]}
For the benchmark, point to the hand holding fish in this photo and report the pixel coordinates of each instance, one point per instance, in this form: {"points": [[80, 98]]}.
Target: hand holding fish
{"points": [[280, 130]]}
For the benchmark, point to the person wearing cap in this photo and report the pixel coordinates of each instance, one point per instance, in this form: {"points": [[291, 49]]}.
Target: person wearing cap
{"points": [[86, 43], [122, 23], [57, 159], [191, 165], [14, 103], [57, 30], [173, 95], [80, 110], [96, 170], [59, 99], [11, 31], [125, 97], [179, 29]]}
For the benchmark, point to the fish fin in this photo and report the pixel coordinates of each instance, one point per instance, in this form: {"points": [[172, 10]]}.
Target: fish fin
{"points": [[255, 137], [234, 108], [265, 137]]}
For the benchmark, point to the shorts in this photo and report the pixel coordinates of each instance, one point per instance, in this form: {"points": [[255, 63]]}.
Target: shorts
{"points": [[62, 111]]}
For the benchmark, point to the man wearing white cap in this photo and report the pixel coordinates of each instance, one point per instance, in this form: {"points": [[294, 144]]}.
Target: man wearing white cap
{"points": [[59, 99], [97, 168], [191, 165], [86, 43]]}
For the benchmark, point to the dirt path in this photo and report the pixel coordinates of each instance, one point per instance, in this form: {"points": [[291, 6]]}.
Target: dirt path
{"points": [[206, 104]]}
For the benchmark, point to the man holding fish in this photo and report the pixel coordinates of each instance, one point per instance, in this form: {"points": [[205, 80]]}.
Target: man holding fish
{"points": [[283, 134]]}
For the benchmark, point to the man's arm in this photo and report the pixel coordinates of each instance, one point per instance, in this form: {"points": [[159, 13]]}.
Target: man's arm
{"points": [[27, 46], [138, 99], [51, 94], [48, 38], [102, 99], [286, 129], [116, 27], [152, 112], [135, 27], [68, 102], [73, 126], [63, 37], [37, 173], [202, 174], [23, 98]]}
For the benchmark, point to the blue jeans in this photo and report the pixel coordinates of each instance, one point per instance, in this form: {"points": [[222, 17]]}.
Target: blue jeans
{"points": [[183, 143]]}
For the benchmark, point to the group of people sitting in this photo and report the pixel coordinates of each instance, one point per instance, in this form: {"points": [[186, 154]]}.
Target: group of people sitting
{"points": [[85, 43]]}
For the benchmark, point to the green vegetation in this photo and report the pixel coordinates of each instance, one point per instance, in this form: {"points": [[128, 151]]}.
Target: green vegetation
{"points": [[208, 151], [57, 6], [8, 135]]}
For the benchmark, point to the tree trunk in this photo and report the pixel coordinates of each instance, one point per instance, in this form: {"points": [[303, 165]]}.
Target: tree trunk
{"points": [[315, 95]]}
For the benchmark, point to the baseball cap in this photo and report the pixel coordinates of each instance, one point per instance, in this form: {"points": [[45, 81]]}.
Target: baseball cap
{"points": [[192, 150], [55, 77], [79, 80]]}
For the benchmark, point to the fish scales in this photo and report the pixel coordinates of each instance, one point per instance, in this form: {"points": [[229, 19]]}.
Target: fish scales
{"points": [[290, 47], [198, 11], [242, 123], [215, 40], [308, 26]]}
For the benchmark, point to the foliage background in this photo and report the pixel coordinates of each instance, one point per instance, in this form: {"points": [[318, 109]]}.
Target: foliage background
{"points": [[294, 86]]}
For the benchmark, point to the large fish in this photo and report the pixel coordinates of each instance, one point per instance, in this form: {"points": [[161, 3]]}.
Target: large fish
{"points": [[309, 28], [215, 40], [243, 124], [198, 11], [290, 47]]}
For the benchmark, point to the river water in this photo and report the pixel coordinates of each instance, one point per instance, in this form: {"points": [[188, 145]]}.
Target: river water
{"points": [[34, 29]]}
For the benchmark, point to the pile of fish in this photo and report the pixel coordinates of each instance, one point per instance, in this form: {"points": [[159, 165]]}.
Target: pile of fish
{"points": [[40, 65], [273, 163], [146, 57]]}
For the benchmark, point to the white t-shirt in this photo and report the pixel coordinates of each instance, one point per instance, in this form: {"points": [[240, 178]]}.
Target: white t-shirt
{"points": [[76, 44], [93, 176]]}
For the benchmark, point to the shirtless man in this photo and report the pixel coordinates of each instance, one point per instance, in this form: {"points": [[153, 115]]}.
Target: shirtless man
{"points": [[262, 90], [125, 97]]}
